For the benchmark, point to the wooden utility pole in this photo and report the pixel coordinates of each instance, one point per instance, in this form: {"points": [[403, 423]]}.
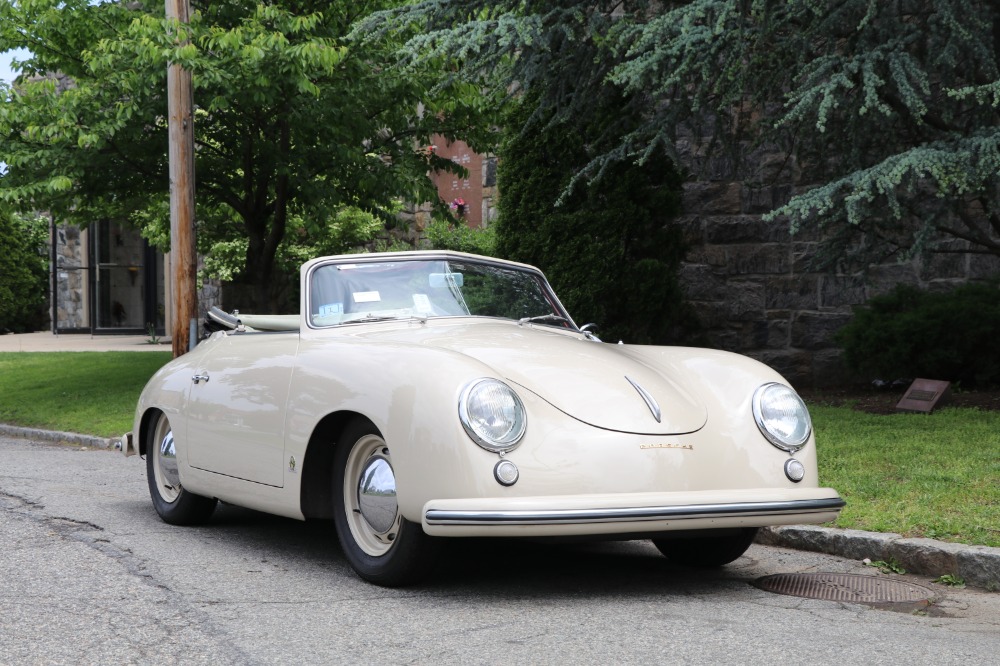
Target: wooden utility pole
{"points": [[183, 256]]}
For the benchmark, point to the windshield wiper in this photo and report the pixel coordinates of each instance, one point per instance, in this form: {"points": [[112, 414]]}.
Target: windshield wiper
{"points": [[371, 317], [374, 317], [546, 317]]}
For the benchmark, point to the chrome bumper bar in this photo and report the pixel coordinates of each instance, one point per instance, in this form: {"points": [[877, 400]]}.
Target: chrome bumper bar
{"points": [[632, 514]]}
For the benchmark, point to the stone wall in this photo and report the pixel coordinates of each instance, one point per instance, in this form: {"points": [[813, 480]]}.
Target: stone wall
{"points": [[70, 279], [751, 286]]}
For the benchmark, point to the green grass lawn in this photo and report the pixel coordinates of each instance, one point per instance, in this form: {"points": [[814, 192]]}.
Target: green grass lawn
{"points": [[92, 393], [934, 475]]}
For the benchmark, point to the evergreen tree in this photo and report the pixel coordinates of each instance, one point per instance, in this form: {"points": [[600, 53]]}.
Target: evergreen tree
{"points": [[891, 109], [607, 247]]}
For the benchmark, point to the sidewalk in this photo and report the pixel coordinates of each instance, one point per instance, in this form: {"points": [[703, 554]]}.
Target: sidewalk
{"points": [[45, 341]]}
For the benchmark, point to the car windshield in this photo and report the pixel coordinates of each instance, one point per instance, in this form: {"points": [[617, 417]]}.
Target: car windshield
{"points": [[343, 293]]}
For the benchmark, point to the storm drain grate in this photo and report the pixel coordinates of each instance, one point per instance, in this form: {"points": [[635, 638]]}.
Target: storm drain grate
{"points": [[851, 588]]}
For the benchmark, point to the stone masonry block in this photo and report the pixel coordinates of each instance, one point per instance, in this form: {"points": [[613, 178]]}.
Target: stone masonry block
{"points": [[882, 279], [792, 292], [841, 291], [980, 567], [794, 365], [942, 266], [692, 228], [777, 332], [776, 166], [765, 259], [711, 198], [764, 199], [699, 282], [728, 229], [983, 266], [926, 556], [852, 544], [712, 315], [745, 300], [814, 330]]}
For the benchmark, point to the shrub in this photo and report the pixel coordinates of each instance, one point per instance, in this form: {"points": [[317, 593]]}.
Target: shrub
{"points": [[912, 333], [458, 237], [608, 247], [24, 271]]}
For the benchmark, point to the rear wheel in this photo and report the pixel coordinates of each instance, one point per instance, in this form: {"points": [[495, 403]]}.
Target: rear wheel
{"points": [[383, 547], [172, 501], [707, 551]]}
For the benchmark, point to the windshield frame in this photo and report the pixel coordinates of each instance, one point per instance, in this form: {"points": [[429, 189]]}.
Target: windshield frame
{"points": [[310, 269]]}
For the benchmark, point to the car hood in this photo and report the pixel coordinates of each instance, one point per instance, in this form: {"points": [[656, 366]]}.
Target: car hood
{"points": [[596, 383]]}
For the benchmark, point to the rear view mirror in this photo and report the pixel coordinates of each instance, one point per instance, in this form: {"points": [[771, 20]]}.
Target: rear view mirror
{"points": [[443, 280]]}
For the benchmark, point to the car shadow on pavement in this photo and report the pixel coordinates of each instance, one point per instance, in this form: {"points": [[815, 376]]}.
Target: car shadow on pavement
{"points": [[507, 567]]}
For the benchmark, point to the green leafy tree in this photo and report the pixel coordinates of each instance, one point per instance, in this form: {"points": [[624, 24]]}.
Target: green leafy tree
{"points": [[891, 109], [294, 124], [23, 273]]}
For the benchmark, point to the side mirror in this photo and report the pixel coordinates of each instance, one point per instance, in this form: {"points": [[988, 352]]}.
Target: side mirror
{"points": [[588, 331]]}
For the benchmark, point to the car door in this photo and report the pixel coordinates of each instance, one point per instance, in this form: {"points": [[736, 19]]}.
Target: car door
{"points": [[236, 407]]}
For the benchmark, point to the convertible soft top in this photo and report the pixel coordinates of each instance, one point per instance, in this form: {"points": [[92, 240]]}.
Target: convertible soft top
{"points": [[218, 320]]}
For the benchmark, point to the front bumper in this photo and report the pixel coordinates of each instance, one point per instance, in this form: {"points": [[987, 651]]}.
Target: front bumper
{"points": [[638, 513]]}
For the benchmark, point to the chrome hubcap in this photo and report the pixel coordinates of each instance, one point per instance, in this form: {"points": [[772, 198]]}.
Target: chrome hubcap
{"points": [[370, 496], [377, 494], [168, 479]]}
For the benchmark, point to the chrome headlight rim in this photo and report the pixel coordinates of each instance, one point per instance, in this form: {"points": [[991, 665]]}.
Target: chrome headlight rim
{"points": [[517, 429], [790, 445]]}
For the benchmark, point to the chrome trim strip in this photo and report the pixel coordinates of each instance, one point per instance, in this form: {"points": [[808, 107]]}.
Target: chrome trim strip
{"points": [[650, 402], [630, 514]]}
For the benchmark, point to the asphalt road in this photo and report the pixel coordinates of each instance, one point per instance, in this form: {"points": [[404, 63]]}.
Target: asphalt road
{"points": [[90, 575]]}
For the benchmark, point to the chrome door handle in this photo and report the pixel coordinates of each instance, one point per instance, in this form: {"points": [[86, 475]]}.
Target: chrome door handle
{"points": [[199, 378]]}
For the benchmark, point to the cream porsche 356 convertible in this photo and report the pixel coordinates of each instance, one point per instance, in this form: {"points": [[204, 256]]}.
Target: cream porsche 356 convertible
{"points": [[423, 395]]}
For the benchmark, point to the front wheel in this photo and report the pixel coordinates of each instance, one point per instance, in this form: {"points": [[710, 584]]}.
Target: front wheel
{"points": [[707, 551], [175, 504], [383, 547]]}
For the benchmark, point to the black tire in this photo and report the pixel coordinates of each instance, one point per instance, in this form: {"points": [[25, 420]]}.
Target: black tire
{"points": [[173, 502], [380, 545], [707, 551]]}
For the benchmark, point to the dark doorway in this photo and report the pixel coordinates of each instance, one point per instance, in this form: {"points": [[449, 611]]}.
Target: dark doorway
{"points": [[126, 281]]}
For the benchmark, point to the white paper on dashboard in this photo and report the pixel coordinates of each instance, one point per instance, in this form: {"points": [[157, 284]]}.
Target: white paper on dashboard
{"points": [[422, 303]]}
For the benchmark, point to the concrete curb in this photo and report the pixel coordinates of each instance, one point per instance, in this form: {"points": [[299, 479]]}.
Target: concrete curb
{"points": [[58, 437], [978, 565]]}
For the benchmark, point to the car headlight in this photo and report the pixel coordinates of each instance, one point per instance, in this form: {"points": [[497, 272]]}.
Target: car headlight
{"points": [[492, 414], [782, 416]]}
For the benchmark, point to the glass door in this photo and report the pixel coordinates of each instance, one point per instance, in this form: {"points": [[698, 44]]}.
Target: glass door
{"points": [[125, 280]]}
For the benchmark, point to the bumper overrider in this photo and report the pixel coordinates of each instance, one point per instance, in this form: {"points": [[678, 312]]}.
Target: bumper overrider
{"points": [[638, 513]]}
